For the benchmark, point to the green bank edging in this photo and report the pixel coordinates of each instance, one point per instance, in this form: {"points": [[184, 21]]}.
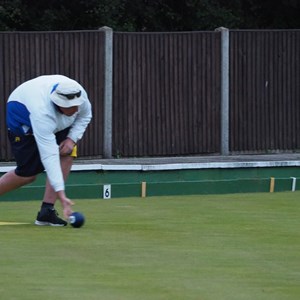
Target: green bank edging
{"points": [[90, 184]]}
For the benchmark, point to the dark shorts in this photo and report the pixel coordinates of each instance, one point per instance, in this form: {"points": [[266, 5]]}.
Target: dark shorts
{"points": [[26, 152]]}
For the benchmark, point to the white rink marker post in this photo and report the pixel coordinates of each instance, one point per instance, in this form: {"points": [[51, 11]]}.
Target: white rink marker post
{"points": [[106, 191], [294, 180]]}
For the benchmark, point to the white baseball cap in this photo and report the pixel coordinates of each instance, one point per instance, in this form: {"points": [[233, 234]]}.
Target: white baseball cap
{"points": [[67, 94]]}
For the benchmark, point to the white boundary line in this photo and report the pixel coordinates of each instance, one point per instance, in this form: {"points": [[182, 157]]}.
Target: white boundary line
{"points": [[174, 166], [184, 166], [5, 169]]}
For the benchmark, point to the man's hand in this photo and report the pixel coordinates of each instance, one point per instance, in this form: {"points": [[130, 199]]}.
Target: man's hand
{"points": [[67, 208], [66, 204], [66, 147]]}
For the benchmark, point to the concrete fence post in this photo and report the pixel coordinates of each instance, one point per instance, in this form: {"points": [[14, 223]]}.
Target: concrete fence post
{"points": [[108, 91], [224, 90]]}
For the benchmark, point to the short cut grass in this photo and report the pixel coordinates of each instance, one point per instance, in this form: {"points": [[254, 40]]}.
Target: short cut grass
{"points": [[242, 246]]}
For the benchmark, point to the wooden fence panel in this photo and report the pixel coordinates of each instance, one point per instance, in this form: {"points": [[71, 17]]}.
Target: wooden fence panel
{"points": [[166, 93], [79, 55], [264, 91]]}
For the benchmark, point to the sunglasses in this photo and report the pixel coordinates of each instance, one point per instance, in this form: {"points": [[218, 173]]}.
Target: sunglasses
{"points": [[71, 96]]}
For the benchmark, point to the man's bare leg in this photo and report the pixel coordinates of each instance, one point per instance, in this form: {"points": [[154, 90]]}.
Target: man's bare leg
{"points": [[11, 181], [50, 195]]}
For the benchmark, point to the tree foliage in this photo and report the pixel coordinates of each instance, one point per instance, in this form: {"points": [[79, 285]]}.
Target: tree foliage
{"points": [[147, 15]]}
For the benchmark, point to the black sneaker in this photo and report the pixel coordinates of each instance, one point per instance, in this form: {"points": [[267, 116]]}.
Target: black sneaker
{"points": [[49, 217]]}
